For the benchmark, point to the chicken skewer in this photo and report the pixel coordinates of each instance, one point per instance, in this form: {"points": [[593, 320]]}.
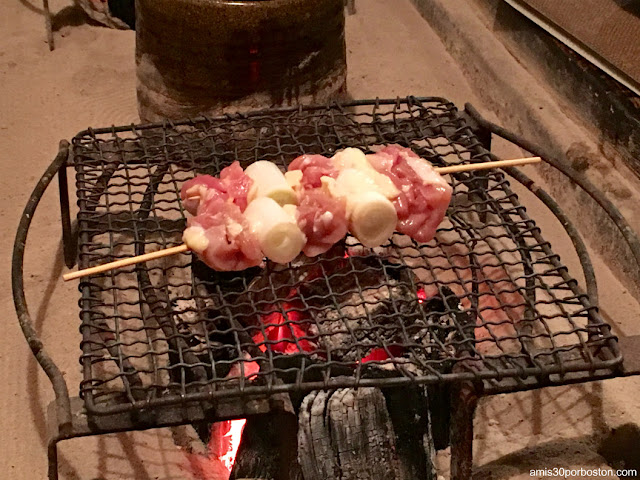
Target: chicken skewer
{"points": [[184, 248]]}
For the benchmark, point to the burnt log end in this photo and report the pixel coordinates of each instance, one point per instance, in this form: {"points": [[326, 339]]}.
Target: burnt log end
{"points": [[348, 434]]}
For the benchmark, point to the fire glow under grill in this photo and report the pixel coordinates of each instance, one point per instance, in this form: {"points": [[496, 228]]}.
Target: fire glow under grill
{"points": [[235, 435], [488, 288]]}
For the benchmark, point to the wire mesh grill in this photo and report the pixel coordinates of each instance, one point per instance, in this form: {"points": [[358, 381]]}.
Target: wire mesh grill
{"points": [[486, 299]]}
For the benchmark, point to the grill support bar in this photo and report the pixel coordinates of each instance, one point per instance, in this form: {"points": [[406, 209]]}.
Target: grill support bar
{"points": [[63, 408], [69, 243]]}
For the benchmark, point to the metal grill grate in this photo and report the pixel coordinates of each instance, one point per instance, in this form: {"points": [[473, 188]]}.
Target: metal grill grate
{"points": [[486, 299]]}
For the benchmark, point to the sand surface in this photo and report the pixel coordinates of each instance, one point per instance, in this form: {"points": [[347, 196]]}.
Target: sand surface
{"points": [[89, 80]]}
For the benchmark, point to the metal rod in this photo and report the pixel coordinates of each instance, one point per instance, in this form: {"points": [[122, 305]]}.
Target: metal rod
{"points": [[48, 25], [19, 299], [464, 399], [52, 455], [68, 242]]}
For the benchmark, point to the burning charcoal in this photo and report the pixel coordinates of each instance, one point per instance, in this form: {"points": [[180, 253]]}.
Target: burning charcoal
{"points": [[185, 314], [367, 296], [387, 312], [440, 333], [351, 309], [453, 314], [363, 320]]}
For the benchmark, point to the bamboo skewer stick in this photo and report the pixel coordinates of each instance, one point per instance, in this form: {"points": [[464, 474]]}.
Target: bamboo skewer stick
{"points": [[125, 262], [467, 167]]}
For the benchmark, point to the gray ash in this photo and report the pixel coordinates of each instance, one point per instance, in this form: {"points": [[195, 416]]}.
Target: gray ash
{"points": [[375, 312]]}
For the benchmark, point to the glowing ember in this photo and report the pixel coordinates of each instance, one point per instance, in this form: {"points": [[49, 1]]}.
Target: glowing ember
{"points": [[285, 335], [250, 369], [422, 295], [380, 354], [234, 436], [218, 461]]}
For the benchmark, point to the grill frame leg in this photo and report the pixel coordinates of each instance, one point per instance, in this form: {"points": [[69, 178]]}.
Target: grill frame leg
{"points": [[464, 400], [48, 24], [52, 455], [351, 6]]}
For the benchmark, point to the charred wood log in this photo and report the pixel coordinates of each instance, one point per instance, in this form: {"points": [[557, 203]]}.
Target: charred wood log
{"points": [[413, 422], [268, 448], [440, 414], [348, 434]]}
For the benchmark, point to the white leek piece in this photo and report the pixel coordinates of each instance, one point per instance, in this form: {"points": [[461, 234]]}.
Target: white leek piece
{"points": [[371, 215], [270, 182], [195, 238], [291, 210], [350, 158], [294, 178], [278, 233], [353, 158], [352, 181], [372, 218]]}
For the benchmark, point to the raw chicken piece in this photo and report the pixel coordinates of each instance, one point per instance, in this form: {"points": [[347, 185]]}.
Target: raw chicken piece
{"points": [[236, 183], [197, 189], [221, 237], [322, 218], [424, 194], [313, 168], [233, 183]]}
